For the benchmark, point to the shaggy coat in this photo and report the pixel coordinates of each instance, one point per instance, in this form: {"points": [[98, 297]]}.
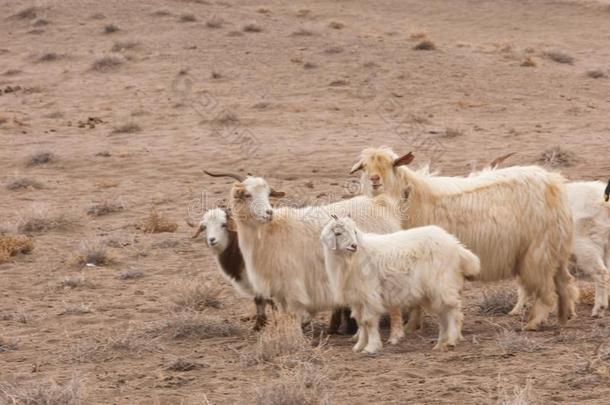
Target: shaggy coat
{"points": [[517, 220], [281, 246], [421, 267]]}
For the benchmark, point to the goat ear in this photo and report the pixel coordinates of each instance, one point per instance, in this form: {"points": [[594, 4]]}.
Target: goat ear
{"points": [[231, 226], [328, 239], [357, 167], [238, 191], [278, 194], [404, 160]]}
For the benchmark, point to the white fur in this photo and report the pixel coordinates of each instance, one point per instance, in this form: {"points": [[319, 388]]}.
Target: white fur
{"points": [[421, 267]]}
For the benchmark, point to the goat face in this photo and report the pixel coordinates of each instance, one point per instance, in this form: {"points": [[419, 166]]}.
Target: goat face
{"points": [[379, 170], [250, 200], [341, 236], [216, 225]]}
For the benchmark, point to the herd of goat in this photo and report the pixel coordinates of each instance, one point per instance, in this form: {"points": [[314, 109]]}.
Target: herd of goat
{"points": [[410, 241]]}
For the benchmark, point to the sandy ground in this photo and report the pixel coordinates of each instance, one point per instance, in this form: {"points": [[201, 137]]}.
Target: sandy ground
{"points": [[295, 102]]}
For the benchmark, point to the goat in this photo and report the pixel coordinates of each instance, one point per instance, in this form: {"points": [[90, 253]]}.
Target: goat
{"points": [[517, 220], [420, 267], [281, 250]]}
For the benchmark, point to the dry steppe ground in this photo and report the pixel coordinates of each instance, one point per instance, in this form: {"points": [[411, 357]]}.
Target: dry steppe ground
{"points": [[110, 110]]}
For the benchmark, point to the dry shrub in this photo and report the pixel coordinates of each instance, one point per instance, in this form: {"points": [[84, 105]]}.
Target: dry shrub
{"points": [[283, 340], [93, 253], [23, 183], [302, 32], [309, 65], [336, 25], [333, 50], [528, 62], [182, 364], [596, 74], [558, 157], [187, 17], [79, 309], [425, 45], [162, 13], [226, 118], [497, 301], [107, 63], [75, 281], [104, 208], [304, 384], [214, 22], [131, 274], [12, 245], [452, 132], [559, 57], [192, 325], [512, 342], [132, 342], [49, 57], [41, 219], [195, 296], [252, 27], [216, 75], [124, 46], [41, 22], [11, 72], [156, 223], [111, 28], [28, 13], [41, 158], [7, 344], [517, 395], [36, 392], [127, 128], [338, 83]]}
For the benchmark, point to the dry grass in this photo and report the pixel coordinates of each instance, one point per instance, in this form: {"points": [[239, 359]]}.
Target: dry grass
{"points": [[41, 219], [425, 45], [156, 223], [182, 364], [110, 29], [558, 157], [36, 392], [12, 245], [226, 118], [121, 46], [162, 13], [333, 50], [132, 342], [216, 75], [187, 17], [104, 208], [49, 57], [336, 25], [309, 65], [304, 384], [107, 63], [215, 22], [252, 27], [7, 345], [511, 342], [559, 57], [130, 274], [517, 395], [418, 35], [127, 128], [41, 22], [497, 301], [528, 62], [28, 13], [195, 296], [93, 253], [79, 309], [597, 74], [23, 183], [75, 281], [302, 32], [452, 132], [41, 158], [192, 325]]}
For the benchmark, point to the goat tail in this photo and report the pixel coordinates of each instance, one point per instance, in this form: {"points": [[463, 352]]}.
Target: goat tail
{"points": [[470, 264]]}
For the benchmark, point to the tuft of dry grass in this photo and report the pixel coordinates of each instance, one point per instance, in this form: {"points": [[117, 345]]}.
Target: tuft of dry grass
{"points": [[252, 27], [418, 35], [518, 395], [309, 65], [80, 309], [127, 128], [49, 57], [75, 281], [121, 46], [107, 63], [215, 22], [182, 364], [192, 325], [41, 158], [336, 25], [111, 29], [511, 342], [226, 118], [559, 57], [93, 253], [452, 132], [28, 13], [23, 183], [12, 245], [7, 345], [304, 384], [162, 13], [156, 223], [302, 32], [132, 342], [528, 62], [558, 157], [425, 45], [44, 392], [596, 74], [497, 301], [216, 75], [195, 296], [104, 208], [40, 219], [333, 50], [187, 17], [41, 22], [130, 274]]}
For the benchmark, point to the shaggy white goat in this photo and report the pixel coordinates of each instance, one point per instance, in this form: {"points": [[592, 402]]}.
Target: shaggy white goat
{"points": [[420, 267], [517, 220], [591, 249], [281, 248]]}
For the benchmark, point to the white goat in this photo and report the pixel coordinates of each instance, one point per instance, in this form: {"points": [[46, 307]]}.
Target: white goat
{"points": [[420, 267], [517, 220], [591, 249], [281, 248]]}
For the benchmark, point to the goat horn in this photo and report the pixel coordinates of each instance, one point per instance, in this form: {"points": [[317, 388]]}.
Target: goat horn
{"points": [[199, 230], [237, 177], [499, 160]]}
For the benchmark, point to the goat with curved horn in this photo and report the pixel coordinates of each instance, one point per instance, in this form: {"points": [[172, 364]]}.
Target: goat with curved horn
{"points": [[237, 177]]}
